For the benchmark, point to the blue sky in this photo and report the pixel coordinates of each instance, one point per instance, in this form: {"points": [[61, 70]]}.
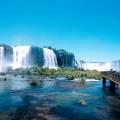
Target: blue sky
{"points": [[89, 28]]}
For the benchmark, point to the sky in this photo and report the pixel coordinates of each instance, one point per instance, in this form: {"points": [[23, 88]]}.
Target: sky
{"points": [[88, 28]]}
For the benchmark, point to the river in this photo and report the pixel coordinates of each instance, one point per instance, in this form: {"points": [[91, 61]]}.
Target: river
{"points": [[56, 99]]}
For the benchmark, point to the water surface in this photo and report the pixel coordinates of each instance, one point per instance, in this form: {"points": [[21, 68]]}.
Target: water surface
{"points": [[56, 99]]}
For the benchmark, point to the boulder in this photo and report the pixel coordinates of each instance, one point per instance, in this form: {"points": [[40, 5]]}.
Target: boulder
{"points": [[82, 102]]}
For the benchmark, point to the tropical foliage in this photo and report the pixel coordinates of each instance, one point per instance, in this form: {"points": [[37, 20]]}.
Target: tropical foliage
{"points": [[70, 73]]}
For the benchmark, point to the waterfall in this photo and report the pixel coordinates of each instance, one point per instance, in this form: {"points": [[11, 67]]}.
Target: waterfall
{"points": [[79, 64], [21, 56], [116, 66], [100, 66], [50, 60], [1, 59]]}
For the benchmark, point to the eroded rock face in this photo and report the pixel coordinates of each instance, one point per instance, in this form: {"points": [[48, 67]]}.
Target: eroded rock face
{"points": [[27, 56], [36, 56], [64, 58]]}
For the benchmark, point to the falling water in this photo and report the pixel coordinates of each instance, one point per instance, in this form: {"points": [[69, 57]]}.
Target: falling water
{"points": [[50, 60], [116, 66], [100, 66], [21, 56], [1, 59], [79, 64]]}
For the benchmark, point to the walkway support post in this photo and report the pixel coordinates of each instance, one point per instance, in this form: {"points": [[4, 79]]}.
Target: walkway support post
{"points": [[112, 86], [103, 82]]}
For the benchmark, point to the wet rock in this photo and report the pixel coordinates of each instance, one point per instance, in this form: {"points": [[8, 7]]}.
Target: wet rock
{"points": [[5, 79], [44, 110], [15, 75], [40, 80], [22, 76], [34, 119], [33, 83], [75, 84], [52, 77], [3, 115], [82, 102], [41, 115], [51, 117], [27, 80]]}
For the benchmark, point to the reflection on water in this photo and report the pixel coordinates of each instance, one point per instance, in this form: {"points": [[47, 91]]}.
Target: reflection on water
{"points": [[56, 99], [12, 85], [48, 83]]}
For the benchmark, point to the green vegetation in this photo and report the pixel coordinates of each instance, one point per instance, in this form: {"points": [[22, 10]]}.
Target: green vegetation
{"points": [[70, 73], [82, 80]]}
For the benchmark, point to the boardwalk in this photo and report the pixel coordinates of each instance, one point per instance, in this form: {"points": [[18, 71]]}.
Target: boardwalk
{"points": [[114, 78]]}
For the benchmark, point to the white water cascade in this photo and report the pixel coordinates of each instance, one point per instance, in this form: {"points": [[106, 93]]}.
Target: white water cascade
{"points": [[2, 59], [100, 66], [79, 64], [50, 60], [21, 56], [116, 66]]}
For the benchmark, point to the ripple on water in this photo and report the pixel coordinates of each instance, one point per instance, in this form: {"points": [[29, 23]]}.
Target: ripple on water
{"points": [[56, 100]]}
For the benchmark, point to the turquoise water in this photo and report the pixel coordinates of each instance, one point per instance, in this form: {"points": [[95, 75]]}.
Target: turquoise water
{"points": [[56, 99]]}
